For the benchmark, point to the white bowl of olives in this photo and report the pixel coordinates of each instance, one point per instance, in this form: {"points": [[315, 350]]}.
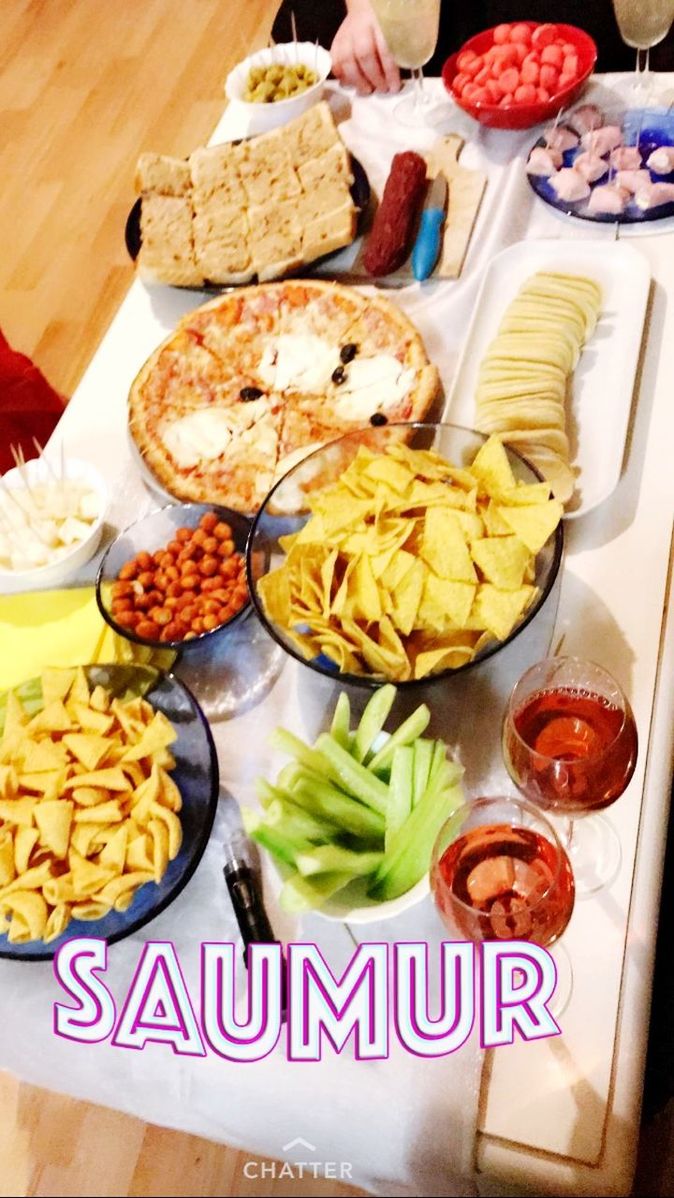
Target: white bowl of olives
{"points": [[278, 83]]}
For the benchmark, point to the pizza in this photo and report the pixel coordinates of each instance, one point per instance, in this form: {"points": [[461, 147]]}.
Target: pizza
{"points": [[251, 382]]}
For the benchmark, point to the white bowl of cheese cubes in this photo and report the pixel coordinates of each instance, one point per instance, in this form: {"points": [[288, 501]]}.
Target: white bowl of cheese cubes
{"points": [[50, 522], [278, 83]]}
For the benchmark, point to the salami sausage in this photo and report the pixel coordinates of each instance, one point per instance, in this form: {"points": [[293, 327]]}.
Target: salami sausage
{"points": [[388, 242]]}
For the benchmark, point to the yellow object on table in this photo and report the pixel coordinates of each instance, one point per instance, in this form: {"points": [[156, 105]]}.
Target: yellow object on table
{"points": [[61, 628]]}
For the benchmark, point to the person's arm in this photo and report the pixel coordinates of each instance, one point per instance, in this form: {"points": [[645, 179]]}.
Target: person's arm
{"points": [[360, 56]]}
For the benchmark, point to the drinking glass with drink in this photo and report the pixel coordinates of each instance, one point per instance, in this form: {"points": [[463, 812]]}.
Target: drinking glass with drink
{"points": [[410, 28], [570, 747], [643, 24], [499, 872]]}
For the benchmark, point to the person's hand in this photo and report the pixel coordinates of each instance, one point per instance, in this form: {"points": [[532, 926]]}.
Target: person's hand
{"points": [[360, 56]]}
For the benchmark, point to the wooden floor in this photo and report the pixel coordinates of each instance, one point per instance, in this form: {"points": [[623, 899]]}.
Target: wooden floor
{"points": [[85, 85]]}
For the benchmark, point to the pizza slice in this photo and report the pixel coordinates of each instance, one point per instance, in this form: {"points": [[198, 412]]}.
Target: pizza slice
{"points": [[236, 329]]}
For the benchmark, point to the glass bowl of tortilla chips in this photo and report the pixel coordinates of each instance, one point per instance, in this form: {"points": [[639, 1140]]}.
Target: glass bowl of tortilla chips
{"points": [[403, 553]]}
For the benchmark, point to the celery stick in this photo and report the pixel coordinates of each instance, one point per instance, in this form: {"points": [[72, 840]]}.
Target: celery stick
{"points": [[400, 802], [288, 743], [296, 821], [288, 777], [267, 793], [341, 721], [329, 858], [327, 802], [414, 726], [353, 776], [306, 894], [372, 720], [282, 845], [439, 756], [408, 858], [423, 755]]}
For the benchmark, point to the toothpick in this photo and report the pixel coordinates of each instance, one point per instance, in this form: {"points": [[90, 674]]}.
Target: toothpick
{"points": [[316, 57], [552, 128], [20, 463], [293, 26], [24, 514]]}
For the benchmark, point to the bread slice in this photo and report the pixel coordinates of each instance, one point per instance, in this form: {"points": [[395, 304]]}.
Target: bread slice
{"points": [[268, 171], [275, 238], [167, 248], [215, 171], [311, 134], [221, 242], [329, 232], [331, 169], [162, 175]]}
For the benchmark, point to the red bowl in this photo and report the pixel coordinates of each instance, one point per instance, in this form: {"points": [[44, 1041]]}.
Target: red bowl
{"points": [[523, 116]]}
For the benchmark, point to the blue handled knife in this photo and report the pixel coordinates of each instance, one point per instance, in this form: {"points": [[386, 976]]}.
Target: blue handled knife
{"points": [[429, 238]]}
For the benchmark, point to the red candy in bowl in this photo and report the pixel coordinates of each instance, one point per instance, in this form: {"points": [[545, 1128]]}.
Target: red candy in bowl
{"points": [[515, 75]]}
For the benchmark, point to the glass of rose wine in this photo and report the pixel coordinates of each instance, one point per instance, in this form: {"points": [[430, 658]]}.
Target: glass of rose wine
{"points": [[570, 746], [500, 872], [410, 28]]}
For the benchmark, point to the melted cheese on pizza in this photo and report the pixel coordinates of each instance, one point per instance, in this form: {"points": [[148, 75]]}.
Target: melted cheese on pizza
{"points": [[299, 362], [198, 437], [373, 384]]}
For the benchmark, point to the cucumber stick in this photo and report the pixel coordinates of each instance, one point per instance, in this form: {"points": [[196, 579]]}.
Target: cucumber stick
{"points": [[297, 821], [331, 858], [300, 894], [280, 844], [340, 728], [400, 797], [352, 776], [372, 720], [408, 858], [411, 728], [423, 756], [327, 802]]}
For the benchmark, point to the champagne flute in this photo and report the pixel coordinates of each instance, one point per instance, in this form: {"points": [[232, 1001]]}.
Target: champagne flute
{"points": [[570, 746], [500, 872], [410, 28], [643, 24]]}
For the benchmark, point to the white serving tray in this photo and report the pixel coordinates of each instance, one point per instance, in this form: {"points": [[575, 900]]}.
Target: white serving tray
{"points": [[603, 383]]}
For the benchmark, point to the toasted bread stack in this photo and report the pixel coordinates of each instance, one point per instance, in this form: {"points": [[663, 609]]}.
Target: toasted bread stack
{"points": [[257, 208]]}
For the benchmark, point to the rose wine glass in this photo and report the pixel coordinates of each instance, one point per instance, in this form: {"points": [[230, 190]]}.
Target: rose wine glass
{"points": [[410, 28], [500, 872], [570, 746], [643, 24]]}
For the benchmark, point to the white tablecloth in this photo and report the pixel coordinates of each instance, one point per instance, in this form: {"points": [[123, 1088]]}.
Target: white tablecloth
{"points": [[405, 1125]]}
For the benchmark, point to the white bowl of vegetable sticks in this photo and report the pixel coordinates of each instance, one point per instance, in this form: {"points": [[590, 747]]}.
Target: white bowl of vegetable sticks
{"points": [[352, 819], [51, 520]]}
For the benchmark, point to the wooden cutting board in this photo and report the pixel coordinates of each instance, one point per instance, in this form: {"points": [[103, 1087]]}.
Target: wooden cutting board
{"points": [[465, 189]]}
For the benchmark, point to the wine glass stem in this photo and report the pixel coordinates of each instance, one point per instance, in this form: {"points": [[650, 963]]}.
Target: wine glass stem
{"points": [[419, 94], [643, 68], [570, 828]]}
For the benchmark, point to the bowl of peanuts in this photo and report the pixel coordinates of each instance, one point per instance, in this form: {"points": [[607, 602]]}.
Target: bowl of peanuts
{"points": [[177, 576]]}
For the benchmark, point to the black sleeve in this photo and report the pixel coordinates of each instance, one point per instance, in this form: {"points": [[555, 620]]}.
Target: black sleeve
{"points": [[460, 20]]}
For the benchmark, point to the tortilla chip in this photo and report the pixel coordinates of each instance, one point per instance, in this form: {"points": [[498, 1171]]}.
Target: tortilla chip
{"points": [[502, 560], [492, 467], [534, 524], [498, 611]]}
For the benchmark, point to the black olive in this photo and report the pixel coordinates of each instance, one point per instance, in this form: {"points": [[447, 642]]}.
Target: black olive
{"points": [[338, 375], [348, 352], [378, 418], [248, 393]]}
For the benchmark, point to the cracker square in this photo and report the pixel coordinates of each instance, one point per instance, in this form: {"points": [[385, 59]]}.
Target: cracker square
{"points": [[163, 175], [167, 246]]}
